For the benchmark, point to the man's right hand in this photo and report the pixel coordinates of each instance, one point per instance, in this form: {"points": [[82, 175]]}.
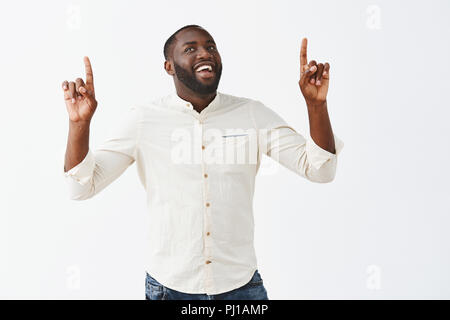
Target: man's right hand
{"points": [[80, 96]]}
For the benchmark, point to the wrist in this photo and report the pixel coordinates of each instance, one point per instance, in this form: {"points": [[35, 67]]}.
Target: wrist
{"points": [[80, 124], [316, 105], [79, 130]]}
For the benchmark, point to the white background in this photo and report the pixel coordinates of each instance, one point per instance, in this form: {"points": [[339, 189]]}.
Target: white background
{"points": [[378, 231]]}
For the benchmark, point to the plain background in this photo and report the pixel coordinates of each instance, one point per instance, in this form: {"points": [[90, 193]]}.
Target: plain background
{"points": [[378, 231]]}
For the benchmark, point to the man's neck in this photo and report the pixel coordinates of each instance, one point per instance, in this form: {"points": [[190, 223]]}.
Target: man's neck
{"points": [[198, 101]]}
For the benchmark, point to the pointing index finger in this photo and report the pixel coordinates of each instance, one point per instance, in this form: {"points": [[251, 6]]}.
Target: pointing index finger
{"points": [[303, 55], [89, 74]]}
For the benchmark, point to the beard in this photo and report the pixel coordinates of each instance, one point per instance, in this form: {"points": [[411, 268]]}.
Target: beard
{"points": [[189, 79]]}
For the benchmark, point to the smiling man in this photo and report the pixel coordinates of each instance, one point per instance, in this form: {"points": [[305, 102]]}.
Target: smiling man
{"points": [[194, 62], [197, 153]]}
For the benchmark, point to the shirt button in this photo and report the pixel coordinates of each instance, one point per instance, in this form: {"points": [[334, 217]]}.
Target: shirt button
{"points": [[208, 262], [188, 105], [205, 175], [203, 147], [207, 233], [207, 204]]}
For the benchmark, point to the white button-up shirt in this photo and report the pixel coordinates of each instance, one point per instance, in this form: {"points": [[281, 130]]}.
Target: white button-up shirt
{"points": [[198, 170]]}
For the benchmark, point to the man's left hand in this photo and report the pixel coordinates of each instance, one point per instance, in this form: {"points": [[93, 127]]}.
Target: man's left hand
{"points": [[314, 78]]}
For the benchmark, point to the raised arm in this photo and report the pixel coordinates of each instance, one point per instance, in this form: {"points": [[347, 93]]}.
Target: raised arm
{"points": [[314, 81], [89, 171], [278, 140], [81, 105]]}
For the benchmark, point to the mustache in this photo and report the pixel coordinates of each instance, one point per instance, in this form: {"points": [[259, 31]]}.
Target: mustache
{"points": [[189, 79]]}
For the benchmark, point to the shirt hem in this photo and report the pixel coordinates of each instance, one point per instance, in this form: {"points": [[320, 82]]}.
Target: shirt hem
{"points": [[181, 289]]}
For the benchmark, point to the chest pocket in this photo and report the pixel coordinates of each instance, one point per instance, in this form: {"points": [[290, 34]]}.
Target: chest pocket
{"points": [[238, 149]]}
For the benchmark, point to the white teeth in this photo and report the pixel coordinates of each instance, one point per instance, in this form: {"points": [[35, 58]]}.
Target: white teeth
{"points": [[204, 68]]}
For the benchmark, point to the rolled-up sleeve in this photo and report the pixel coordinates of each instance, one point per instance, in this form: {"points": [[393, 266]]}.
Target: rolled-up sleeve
{"points": [[108, 161], [291, 149], [83, 171]]}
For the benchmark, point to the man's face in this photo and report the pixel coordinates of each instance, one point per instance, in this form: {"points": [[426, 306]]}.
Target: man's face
{"points": [[196, 60]]}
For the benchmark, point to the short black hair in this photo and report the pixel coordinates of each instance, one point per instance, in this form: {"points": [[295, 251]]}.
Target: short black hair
{"points": [[171, 39]]}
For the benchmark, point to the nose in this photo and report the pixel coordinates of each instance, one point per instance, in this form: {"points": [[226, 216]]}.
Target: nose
{"points": [[203, 53]]}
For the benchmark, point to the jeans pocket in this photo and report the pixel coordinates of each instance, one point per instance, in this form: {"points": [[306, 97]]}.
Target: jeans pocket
{"points": [[149, 279], [152, 294], [153, 289], [256, 280]]}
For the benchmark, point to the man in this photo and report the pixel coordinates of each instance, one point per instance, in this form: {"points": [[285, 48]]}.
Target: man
{"points": [[197, 153]]}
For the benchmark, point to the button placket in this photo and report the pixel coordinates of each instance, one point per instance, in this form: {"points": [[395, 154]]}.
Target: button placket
{"points": [[207, 204]]}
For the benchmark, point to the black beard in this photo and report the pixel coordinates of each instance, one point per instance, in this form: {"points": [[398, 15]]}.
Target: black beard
{"points": [[189, 80]]}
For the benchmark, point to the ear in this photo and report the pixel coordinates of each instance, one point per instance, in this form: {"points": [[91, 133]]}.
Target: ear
{"points": [[168, 66]]}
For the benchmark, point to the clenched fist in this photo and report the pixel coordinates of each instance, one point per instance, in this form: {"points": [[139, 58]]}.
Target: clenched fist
{"points": [[80, 96]]}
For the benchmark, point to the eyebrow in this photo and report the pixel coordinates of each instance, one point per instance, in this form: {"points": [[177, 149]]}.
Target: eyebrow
{"points": [[195, 42]]}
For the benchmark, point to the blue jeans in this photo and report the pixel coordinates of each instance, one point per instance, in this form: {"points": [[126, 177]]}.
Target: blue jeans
{"points": [[253, 290]]}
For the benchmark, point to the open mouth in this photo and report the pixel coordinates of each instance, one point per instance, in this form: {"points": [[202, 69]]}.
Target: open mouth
{"points": [[205, 71]]}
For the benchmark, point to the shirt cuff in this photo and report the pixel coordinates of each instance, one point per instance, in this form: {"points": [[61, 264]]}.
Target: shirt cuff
{"points": [[82, 172], [318, 156]]}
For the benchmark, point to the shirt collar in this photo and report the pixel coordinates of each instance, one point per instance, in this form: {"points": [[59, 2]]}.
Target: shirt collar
{"points": [[178, 103]]}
